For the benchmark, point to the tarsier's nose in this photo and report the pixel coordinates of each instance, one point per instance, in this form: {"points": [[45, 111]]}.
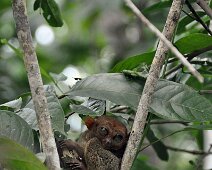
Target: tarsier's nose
{"points": [[107, 143]]}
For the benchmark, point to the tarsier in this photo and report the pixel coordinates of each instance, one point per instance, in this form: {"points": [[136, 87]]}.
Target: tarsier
{"points": [[101, 147]]}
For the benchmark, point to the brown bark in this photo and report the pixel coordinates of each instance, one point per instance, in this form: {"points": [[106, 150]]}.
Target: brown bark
{"points": [[36, 84]]}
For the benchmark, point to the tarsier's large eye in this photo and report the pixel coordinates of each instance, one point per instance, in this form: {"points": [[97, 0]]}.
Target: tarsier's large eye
{"points": [[103, 131], [118, 138]]}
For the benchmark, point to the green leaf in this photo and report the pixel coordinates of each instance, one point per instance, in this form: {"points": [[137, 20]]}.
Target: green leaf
{"points": [[29, 115], [159, 147], [37, 4], [94, 107], [193, 42], [171, 100], [55, 109], [17, 51], [184, 21], [15, 104], [133, 62], [97, 105], [15, 128], [177, 101], [80, 109], [14, 156], [111, 86], [58, 77], [157, 6], [51, 12]]}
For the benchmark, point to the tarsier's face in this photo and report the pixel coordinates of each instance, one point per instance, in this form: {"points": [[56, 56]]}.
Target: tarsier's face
{"points": [[111, 133]]}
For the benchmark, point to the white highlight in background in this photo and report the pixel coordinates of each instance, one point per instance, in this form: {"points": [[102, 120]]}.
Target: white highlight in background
{"points": [[44, 35]]}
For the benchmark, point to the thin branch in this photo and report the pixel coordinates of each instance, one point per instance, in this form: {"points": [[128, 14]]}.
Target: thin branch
{"points": [[159, 140], [189, 58], [205, 7], [197, 18], [137, 131], [36, 84], [169, 121], [193, 152], [205, 91]]}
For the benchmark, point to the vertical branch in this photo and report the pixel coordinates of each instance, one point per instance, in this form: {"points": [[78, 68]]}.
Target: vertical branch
{"points": [[146, 98], [36, 84]]}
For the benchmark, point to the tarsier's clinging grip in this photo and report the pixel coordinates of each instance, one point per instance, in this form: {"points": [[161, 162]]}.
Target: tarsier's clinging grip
{"points": [[101, 147]]}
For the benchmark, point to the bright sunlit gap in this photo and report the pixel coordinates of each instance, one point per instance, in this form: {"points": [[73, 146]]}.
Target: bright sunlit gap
{"points": [[44, 35]]}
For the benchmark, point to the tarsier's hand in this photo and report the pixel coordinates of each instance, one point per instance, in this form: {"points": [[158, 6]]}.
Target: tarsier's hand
{"points": [[71, 155]]}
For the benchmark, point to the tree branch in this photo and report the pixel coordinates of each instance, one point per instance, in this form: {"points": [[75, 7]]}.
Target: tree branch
{"points": [[146, 98], [155, 122], [189, 58], [36, 84], [205, 7], [193, 152]]}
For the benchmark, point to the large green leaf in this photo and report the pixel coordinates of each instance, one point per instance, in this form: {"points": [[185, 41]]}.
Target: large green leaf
{"points": [[93, 107], [14, 156], [133, 62], [184, 21], [160, 6], [15, 128], [112, 86], [177, 101], [171, 100], [193, 42], [15, 104], [55, 109], [157, 6], [29, 115]]}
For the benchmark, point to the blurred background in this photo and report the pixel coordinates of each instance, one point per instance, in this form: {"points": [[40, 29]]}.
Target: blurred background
{"points": [[95, 36]]}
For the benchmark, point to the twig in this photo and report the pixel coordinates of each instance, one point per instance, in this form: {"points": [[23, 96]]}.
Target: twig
{"points": [[194, 152], [197, 18], [205, 7], [36, 84], [189, 58], [170, 121], [205, 91], [159, 140], [142, 112]]}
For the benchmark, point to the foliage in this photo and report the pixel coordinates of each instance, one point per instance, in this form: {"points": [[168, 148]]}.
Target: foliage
{"points": [[14, 156], [116, 47]]}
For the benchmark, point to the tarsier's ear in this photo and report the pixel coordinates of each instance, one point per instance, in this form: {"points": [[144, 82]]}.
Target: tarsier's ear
{"points": [[89, 122]]}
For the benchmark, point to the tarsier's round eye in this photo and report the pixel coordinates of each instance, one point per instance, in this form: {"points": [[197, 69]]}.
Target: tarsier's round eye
{"points": [[103, 131], [118, 138]]}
